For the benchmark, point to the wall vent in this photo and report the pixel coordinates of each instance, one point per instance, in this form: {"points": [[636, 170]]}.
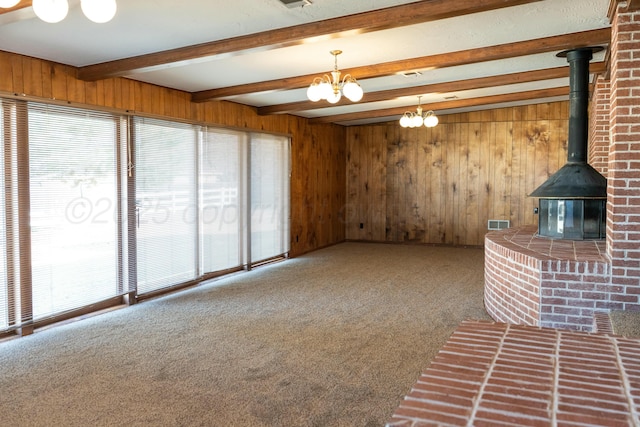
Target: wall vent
{"points": [[295, 3], [497, 224]]}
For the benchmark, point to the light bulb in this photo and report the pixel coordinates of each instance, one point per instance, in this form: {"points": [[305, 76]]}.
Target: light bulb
{"points": [[326, 90], [431, 120], [405, 121], [353, 91], [99, 11], [416, 121], [334, 97], [5, 4], [51, 11], [314, 93]]}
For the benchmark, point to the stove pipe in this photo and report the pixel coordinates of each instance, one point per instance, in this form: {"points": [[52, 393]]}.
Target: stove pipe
{"points": [[576, 179]]}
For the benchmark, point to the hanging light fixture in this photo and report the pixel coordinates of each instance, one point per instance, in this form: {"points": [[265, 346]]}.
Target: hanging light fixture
{"points": [[6, 4], [53, 11], [99, 11], [417, 119], [332, 88]]}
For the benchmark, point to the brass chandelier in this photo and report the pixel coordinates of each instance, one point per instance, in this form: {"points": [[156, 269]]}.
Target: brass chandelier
{"points": [[332, 87], [417, 118]]}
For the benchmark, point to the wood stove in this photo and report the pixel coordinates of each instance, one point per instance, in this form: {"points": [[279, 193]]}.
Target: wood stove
{"points": [[572, 202]]}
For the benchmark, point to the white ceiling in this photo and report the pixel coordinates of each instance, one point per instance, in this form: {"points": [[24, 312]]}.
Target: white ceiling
{"points": [[147, 26]]}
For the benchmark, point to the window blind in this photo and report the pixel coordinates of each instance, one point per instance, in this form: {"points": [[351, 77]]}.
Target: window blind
{"points": [[166, 203], [269, 199], [222, 199], [74, 194]]}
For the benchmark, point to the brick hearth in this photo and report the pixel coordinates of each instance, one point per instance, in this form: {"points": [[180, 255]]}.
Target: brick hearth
{"points": [[537, 281], [495, 374]]}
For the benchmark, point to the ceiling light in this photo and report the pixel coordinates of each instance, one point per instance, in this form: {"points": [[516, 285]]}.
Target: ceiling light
{"points": [[417, 119], [51, 11], [5, 4], [99, 11], [332, 88]]}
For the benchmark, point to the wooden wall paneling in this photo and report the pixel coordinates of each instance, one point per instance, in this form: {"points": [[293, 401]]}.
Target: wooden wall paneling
{"points": [[353, 170], [58, 79], [376, 188], [32, 72], [75, 88], [17, 74], [414, 184], [474, 183], [486, 183], [451, 181], [46, 79], [6, 72], [501, 170], [394, 202], [538, 153], [518, 162], [298, 202], [460, 225], [436, 176]]}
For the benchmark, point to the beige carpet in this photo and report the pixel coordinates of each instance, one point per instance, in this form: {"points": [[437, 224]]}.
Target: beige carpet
{"points": [[626, 323], [333, 338]]}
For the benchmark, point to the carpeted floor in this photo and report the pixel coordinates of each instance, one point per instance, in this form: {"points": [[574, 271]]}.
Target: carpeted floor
{"points": [[626, 323], [333, 338]]}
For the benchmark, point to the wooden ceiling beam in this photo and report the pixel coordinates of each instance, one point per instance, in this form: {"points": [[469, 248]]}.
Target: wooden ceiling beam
{"points": [[459, 103], [21, 5], [375, 20], [459, 85], [463, 57]]}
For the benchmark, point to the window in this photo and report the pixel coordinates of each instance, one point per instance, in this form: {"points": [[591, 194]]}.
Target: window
{"points": [[99, 205], [269, 196], [166, 203], [74, 200]]}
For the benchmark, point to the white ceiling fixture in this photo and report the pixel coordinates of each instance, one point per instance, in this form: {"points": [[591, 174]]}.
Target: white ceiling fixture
{"points": [[332, 88], [417, 119], [5, 4], [54, 11]]}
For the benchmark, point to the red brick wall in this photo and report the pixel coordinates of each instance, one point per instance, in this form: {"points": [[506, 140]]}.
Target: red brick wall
{"points": [[512, 282], [599, 126], [623, 189], [571, 292]]}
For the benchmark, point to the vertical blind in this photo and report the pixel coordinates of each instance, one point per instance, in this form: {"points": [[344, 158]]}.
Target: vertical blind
{"points": [[91, 211]]}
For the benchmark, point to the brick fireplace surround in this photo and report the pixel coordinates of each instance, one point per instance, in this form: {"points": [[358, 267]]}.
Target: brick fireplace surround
{"points": [[551, 358]]}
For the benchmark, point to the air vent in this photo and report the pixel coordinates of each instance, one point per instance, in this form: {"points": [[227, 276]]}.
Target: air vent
{"points": [[497, 224], [295, 3]]}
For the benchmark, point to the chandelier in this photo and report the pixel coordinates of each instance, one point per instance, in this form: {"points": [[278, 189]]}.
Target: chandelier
{"points": [[417, 119], [332, 88], [53, 11]]}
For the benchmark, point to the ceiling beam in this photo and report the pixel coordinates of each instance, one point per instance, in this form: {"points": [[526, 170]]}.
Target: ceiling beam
{"points": [[21, 5], [458, 103], [375, 20], [445, 87], [463, 57]]}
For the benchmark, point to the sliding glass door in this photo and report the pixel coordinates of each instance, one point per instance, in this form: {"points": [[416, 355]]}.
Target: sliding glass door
{"points": [[269, 196], [74, 200], [166, 203], [98, 205], [222, 199]]}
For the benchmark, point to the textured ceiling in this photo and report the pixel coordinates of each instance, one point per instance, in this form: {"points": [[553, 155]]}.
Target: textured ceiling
{"points": [[143, 27]]}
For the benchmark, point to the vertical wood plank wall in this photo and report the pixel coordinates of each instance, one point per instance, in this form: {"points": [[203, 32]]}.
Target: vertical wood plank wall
{"points": [[318, 151], [442, 185]]}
